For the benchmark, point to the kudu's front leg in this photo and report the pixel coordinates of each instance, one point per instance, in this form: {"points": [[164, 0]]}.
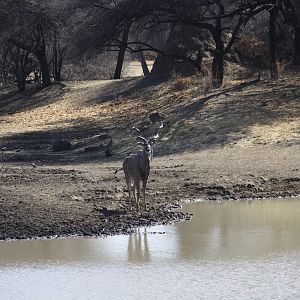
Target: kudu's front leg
{"points": [[138, 190], [144, 194], [128, 182]]}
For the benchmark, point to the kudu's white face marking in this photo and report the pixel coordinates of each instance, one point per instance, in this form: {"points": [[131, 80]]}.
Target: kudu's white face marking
{"points": [[147, 148]]}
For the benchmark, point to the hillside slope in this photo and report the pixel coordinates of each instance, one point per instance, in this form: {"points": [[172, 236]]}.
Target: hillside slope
{"points": [[242, 115]]}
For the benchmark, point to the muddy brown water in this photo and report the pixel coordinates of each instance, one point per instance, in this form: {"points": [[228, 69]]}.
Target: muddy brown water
{"points": [[229, 250]]}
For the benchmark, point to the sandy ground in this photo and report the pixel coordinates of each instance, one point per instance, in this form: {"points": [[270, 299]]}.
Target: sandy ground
{"points": [[238, 142], [134, 69]]}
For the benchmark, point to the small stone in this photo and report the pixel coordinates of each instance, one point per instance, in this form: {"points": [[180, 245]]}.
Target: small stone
{"points": [[61, 145], [77, 198], [156, 117]]}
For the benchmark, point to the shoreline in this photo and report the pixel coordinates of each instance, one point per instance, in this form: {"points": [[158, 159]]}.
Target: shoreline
{"points": [[49, 201], [180, 218]]}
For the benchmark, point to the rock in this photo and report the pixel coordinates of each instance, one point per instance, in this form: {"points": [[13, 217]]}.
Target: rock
{"points": [[250, 185], [292, 179], [94, 148], [103, 137], [61, 145], [156, 117], [164, 67], [77, 198], [263, 179], [37, 147], [108, 150], [109, 212]]}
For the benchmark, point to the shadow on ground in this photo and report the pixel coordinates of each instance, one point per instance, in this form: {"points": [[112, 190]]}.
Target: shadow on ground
{"points": [[13, 101], [128, 87], [215, 119]]}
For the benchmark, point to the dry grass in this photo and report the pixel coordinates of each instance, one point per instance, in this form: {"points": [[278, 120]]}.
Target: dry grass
{"points": [[182, 83], [253, 49], [196, 115]]}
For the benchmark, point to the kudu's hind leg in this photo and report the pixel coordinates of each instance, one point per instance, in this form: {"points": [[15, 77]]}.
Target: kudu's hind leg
{"points": [[138, 190], [128, 182], [144, 194]]}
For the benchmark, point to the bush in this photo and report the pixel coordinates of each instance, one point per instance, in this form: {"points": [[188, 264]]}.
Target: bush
{"points": [[182, 83], [98, 67], [252, 50]]}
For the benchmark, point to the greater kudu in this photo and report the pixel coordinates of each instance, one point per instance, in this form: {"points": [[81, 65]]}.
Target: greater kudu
{"points": [[137, 167]]}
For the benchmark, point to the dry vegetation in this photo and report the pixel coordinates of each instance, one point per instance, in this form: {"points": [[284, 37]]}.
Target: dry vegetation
{"points": [[197, 117], [239, 141]]}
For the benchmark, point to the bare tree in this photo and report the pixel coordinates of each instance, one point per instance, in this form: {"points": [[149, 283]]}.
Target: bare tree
{"points": [[217, 17], [33, 31], [123, 46], [290, 9], [180, 32], [274, 12]]}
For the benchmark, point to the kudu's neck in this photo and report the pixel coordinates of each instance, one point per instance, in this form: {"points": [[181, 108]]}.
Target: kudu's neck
{"points": [[148, 156]]}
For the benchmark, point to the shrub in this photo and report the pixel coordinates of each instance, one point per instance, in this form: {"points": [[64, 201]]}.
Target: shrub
{"points": [[182, 83], [252, 50]]}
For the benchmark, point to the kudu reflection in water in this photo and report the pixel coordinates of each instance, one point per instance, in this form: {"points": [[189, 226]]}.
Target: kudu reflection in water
{"points": [[138, 250]]}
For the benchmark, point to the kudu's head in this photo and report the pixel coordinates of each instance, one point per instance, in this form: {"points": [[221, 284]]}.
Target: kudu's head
{"points": [[148, 145]]}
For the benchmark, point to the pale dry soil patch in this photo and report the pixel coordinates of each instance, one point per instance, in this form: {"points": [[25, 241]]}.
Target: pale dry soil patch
{"points": [[238, 142]]}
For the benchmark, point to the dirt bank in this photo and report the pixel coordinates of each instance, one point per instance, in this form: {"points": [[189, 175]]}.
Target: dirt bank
{"points": [[234, 143]]}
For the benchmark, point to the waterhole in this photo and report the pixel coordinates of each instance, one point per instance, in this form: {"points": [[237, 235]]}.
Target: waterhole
{"points": [[229, 250]]}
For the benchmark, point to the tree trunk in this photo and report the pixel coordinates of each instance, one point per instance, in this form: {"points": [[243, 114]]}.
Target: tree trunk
{"points": [[199, 58], [57, 65], [4, 66], [20, 77], [41, 56], [273, 43], [45, 71], [58, 57], [21, 62], [218, 61], [144, 63], [297, 46], [122, 50], [291, 13], [218, 69], [56, 74], [21, 83], [36, 76]]}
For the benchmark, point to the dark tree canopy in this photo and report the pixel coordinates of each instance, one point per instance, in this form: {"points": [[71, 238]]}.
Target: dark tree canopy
{"points": [[41, 37]]}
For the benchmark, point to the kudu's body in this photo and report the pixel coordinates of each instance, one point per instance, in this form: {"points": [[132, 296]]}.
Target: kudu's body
{"points": [[137, 169]]}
